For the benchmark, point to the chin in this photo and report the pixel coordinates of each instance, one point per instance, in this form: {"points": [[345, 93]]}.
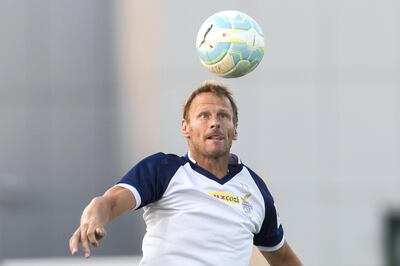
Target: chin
{"points": [[218, 153]]}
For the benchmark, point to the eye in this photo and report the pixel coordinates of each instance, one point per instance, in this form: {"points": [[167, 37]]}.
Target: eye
{"points": [[224, 115], [204, 115]]}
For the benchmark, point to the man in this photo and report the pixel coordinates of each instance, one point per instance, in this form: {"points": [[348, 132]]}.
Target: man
{"points": [[205, 208]]}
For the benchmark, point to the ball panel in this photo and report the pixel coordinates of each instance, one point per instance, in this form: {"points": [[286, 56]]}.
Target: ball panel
{"points": [[216, 54], [257, 28], [256, 56], [241, 22], [221, 22], [241, 68], [239, 51], [222, 66]]}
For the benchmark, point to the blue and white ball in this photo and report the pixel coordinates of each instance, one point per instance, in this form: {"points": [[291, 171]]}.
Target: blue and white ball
{"points": [[230, 44]]}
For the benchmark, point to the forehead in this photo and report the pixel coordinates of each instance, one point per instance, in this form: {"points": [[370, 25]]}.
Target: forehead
{"points": [[209, 100]]}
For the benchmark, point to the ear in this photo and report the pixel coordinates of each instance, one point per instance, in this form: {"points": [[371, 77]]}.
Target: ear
{"points": [[235, 134], [185, 129]]}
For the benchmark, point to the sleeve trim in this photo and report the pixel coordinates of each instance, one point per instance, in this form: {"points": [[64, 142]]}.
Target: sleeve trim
{"points": [[274, 248], [135, 193]]}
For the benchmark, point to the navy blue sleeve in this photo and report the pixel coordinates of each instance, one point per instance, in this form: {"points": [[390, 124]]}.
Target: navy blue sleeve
{"points": [[151, 176], [271, 234]]}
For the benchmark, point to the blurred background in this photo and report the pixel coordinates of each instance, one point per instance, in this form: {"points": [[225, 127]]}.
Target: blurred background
{"points": [[88, 88]]}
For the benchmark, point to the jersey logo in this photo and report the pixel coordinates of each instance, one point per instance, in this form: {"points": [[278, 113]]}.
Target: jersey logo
{"points": [[247, 208], [227, 197], [244, 199]]}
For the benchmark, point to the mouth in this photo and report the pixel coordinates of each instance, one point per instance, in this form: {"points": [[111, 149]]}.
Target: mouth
{"points": [[215, 137]]}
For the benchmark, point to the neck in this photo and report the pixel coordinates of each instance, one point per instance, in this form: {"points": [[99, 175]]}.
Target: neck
{"points": [[218, 166]]}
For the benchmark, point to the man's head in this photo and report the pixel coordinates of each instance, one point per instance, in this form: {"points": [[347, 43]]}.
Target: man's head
{"points": [[216, 88], [210, 118]]}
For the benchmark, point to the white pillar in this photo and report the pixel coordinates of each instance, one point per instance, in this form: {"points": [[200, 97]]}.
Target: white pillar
{"points": [[138, 48]]}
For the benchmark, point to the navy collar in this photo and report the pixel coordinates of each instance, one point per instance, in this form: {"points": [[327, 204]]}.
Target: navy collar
{"points": [[234, 167]]}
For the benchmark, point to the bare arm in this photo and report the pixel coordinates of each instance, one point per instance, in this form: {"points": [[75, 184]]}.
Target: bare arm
{"points": [[282, 257], [100, 211]]}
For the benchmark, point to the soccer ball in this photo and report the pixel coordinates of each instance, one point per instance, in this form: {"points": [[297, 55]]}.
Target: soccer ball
{"points": [[230, 44]]}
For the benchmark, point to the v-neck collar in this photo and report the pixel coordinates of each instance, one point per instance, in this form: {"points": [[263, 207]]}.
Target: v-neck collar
{"points": [[234, 167]]}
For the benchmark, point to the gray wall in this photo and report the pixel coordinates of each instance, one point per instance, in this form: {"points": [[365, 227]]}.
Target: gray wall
{"points": [[57, 123], [319, 117]]}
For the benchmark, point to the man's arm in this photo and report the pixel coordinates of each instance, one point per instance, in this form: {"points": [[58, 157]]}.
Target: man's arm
{"points": [[282, 257], [100, 211]]}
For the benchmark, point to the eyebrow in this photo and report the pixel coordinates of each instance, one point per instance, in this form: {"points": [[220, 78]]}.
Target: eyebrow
{"points": [[221, 109]]}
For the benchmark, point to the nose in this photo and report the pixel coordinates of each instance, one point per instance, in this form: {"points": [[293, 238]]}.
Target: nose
{"points": [[215, 123]]}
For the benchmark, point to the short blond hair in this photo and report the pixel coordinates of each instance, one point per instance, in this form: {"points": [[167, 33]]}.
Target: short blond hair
{"points": [[216, 88]]}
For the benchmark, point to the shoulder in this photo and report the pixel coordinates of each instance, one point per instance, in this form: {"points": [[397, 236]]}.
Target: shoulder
{"points": [[161, 165], [158, 165], [163, 159], [270, 236], [257, 179], [262, 188], [150, 177]]}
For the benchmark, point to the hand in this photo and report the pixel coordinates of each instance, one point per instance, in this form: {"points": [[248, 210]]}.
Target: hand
{"points": [[86, 234], [100, 211]]}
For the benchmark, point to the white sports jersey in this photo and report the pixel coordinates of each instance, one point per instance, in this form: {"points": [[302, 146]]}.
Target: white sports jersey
{"points": [[193, 218]]}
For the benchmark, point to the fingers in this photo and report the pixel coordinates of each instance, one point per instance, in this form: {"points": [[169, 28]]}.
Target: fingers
{"points": [[91, 236], [95, 235], [86, 235], [73, 242], [84, 241], [100, 232]]}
